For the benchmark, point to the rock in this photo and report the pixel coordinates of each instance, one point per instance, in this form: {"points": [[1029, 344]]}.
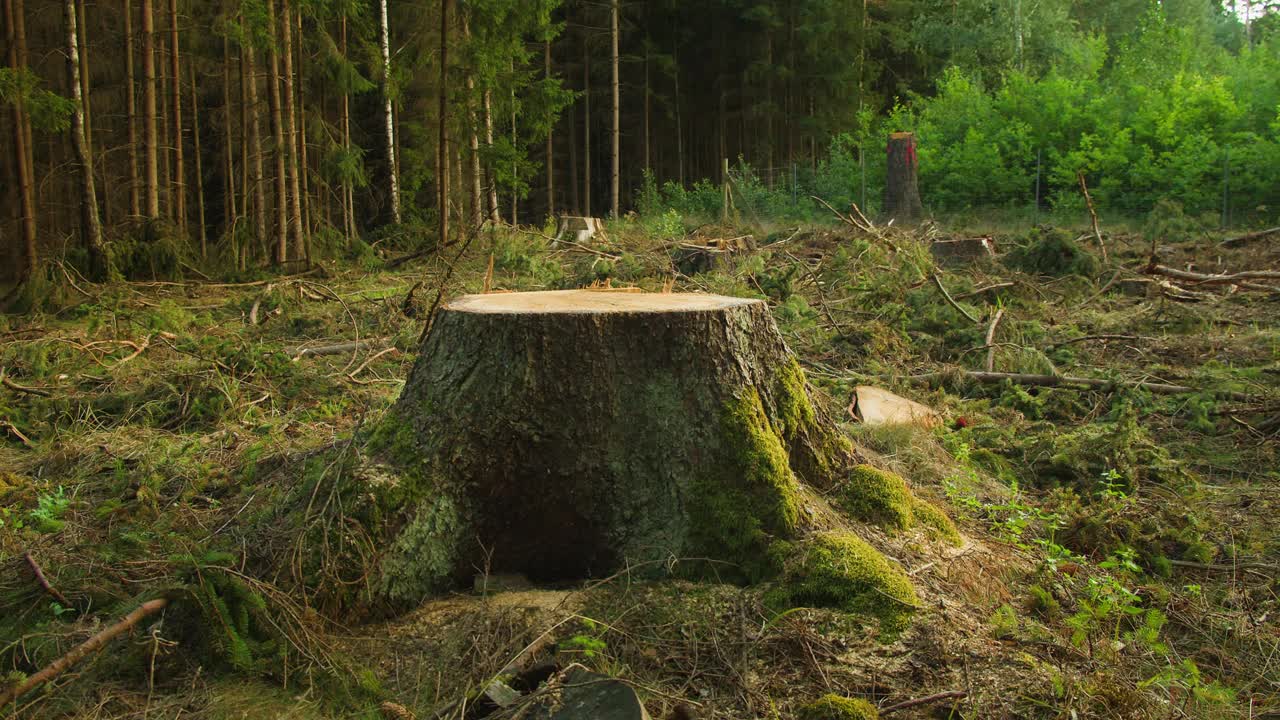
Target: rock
{"points": [[963, 251], [590, 696], [875, 406]]}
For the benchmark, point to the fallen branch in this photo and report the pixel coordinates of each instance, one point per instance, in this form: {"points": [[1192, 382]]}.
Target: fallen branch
{"points": [[1249, 237], [1093, 216], [1087, 338], [1089, 383], [79, 652], [352, 375], [44, 581], [338, 349], [988, 288], [938, 281], [16, 432], [991, 335], [4, 380], [1099, 294], [949, 695], [1219, 279]]}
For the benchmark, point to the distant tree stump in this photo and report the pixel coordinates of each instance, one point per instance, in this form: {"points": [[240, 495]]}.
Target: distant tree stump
{"points": [[570, 434], [901, 191]]}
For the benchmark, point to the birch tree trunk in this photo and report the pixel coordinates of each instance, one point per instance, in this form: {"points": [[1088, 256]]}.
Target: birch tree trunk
{"points": [[91, 221], [387, 111]]}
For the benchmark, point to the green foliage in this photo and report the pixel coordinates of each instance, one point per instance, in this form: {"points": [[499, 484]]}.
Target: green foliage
{"points": [[836, 707], [46, 517], [1050, 251], [48, 111], [882, 497]]}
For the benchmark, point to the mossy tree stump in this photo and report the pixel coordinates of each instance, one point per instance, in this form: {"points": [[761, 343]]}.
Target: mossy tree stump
{"points": [[573, 433]]}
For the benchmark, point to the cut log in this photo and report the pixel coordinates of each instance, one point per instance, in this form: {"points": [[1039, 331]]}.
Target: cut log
{"points": [[901, 189], [874, 406], [691, 259], [570, 434]]}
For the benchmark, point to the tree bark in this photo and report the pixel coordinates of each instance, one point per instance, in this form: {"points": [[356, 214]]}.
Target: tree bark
{"points": [[586, 126], [901, 192], [22, 141], [228, 144], [131, 109], [551, 175], [292, 160], [195, 141], [602, 452], [615, 164], [277, 130], [179, 166], [473, 140], [149, 111], [443, 180], [90, 219], [494, 217], [255, 144], [348, 194], [304, 194], [389, 118]]}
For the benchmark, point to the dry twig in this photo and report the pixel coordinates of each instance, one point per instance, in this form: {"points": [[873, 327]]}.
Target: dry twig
{"points": [[950, 300], [44, 581]]}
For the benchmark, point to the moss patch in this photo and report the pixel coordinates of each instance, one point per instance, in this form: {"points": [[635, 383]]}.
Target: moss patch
{"points": [[882, 497], [840, 570], [835, 707], [751, 499]]}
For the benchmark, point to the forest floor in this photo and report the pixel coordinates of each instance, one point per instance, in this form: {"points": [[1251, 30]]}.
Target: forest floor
{"points": [[1121, 547]]}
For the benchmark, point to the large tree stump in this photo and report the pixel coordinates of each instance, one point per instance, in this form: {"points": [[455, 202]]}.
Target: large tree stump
{"points": [[574, 433], [901, 191]]}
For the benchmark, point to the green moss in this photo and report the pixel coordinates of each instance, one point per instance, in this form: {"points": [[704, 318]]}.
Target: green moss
{"points": [[835, 707], [750, 497], [877, 496], [933, 519], [795, 411], [840, 570]]}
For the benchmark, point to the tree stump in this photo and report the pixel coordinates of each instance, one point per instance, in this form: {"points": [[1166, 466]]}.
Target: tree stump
{"points": [[901, 191], [570, 434]]}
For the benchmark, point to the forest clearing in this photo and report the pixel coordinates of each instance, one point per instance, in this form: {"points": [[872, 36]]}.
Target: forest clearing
{"points": [[645, 359]]}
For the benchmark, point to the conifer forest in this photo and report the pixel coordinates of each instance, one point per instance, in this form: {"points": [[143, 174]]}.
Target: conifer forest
{"points": [[595, 359]]}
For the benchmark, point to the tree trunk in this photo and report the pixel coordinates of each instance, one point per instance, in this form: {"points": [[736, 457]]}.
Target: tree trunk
{"points": [[195, 142], [149, 112], [304, 194], [131, 109], [586, 127], [348, 195], [17, 41], [901, 193], [389, 118], [91, 221], [494, 217], [473, 140], [615, 163], [572, 119], [647, 166], [228, 145], [255, 145], [277, 130], [680, 163], [641, 427], [551, 175], [292, 160], [179, 166], [515, 143], [443, 149]]}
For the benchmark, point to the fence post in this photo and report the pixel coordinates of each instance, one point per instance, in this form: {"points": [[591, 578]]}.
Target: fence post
{"points": [[1226, 189]]}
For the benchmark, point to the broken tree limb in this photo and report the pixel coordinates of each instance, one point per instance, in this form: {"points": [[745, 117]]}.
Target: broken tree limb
{"points": [[1080, 382], [4, 380], [44, 581], [1249, 237], [950, 300], [338, 349], [79, 652], [949, 695], [991, 335], [1093, 216], [1237, 278]]}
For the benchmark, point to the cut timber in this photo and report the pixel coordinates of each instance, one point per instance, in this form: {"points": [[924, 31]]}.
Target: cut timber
{"points": [[578, 229], [692, 259], [901, 189], [573, 433], [874, 406], [963, 251]]}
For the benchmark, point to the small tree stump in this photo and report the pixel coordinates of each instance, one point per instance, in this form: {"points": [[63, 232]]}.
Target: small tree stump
{"points": [[901, 190], [570, 434], [963, 251], [578, 229]]}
